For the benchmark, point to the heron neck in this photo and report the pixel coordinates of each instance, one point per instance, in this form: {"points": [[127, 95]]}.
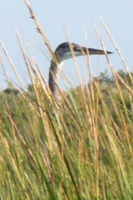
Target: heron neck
{"points": [[53, 79]]}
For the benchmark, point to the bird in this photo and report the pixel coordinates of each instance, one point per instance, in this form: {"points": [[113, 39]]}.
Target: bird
{"points": [[62, 53]]}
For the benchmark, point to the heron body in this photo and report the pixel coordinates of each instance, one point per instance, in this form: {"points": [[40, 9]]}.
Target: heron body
{"points": [[62, 53]]}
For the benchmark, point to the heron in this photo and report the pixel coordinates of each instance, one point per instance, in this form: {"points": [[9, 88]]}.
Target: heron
{"points": [[62, 53]]}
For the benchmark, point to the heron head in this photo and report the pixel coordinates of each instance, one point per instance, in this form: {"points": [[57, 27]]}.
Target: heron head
{"points": [[63, 51]]}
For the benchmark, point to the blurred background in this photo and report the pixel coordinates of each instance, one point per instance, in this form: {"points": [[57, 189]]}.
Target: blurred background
{"points": [[78, 17]]}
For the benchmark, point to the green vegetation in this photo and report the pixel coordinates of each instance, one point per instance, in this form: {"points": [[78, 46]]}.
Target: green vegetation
{"points": [[81, 149]]}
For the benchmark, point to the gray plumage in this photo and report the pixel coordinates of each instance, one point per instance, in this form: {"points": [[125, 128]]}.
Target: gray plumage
{"points": [[62, 53]]}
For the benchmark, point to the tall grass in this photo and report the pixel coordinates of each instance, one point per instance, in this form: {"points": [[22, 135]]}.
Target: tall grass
{"points": [[80, 149]]}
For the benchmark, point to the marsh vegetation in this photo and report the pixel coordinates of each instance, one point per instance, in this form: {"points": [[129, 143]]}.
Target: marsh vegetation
{"points": [[81, 149]]}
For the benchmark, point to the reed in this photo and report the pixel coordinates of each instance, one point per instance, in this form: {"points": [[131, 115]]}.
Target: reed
{"points": [[81, 149]]}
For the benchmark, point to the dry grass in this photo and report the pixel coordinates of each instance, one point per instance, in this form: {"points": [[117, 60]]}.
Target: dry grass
{"points": [[80, 149]]}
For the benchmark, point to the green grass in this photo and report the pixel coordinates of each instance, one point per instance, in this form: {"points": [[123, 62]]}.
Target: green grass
{"points": [[81, 149]]}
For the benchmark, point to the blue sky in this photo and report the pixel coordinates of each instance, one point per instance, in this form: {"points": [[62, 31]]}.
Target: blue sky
{"points": [[51, 14]]}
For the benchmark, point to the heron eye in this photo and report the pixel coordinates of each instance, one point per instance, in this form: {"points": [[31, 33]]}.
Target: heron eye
{"points": [[77, 49]]}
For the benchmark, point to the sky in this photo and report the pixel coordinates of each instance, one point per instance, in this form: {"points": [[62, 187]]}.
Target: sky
{"points": [[79, 17]]}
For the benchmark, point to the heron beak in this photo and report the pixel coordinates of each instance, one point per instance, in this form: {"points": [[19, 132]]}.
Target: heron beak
{"points": [[89, 51], [97, 52]]}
